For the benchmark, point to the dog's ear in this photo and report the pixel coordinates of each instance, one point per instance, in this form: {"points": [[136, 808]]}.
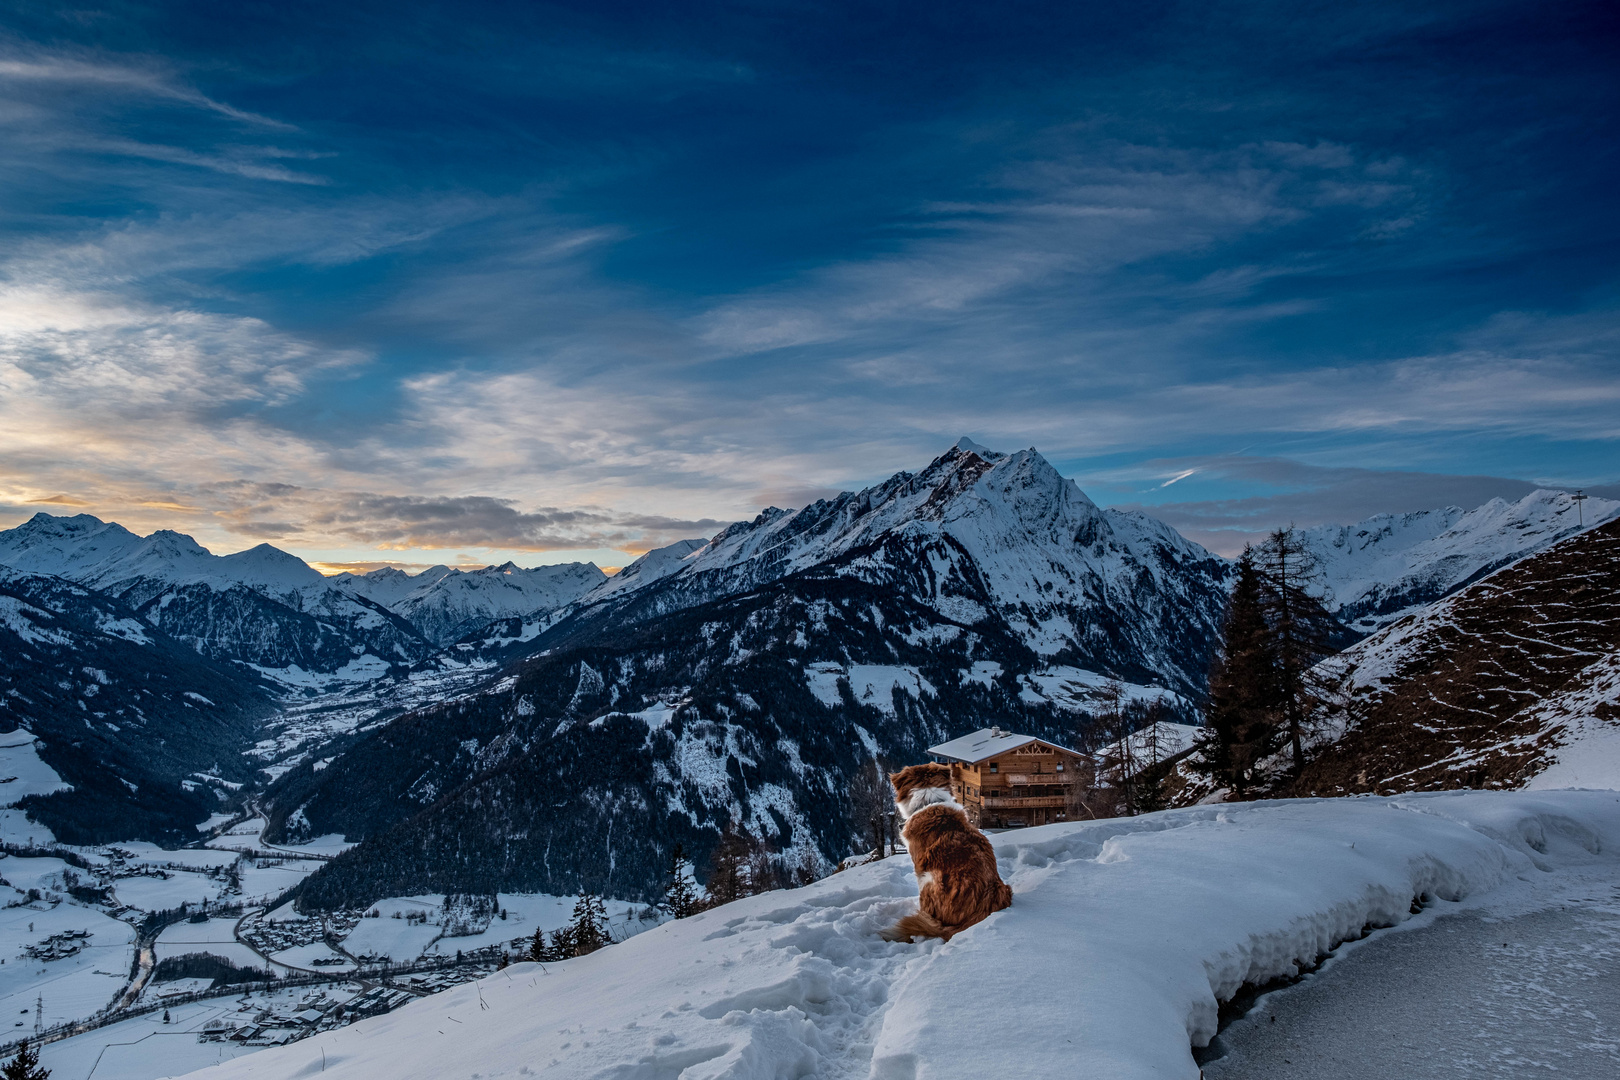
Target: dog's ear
{"points": [[894, 778]]}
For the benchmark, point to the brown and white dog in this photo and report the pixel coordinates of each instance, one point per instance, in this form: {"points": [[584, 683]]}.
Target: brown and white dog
{"points": [[957, 882]]}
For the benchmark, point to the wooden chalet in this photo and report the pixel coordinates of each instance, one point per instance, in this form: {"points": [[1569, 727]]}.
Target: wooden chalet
{"points": [[1007, 781]]}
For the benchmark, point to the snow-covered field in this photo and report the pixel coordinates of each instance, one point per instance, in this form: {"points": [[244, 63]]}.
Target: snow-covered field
{"points": [[22, 773], [402, 939], [161, 893], [145, 1047], [216, 936], [1123, 936], [70, 986]]}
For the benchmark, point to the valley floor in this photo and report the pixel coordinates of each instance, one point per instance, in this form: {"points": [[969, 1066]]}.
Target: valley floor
{"points": [[1123, 937]]}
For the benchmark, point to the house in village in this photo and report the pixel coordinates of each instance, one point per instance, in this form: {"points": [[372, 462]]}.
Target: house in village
{"points": [[1006, 781]]}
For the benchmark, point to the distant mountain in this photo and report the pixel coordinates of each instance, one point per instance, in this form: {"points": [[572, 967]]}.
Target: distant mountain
{"points": [[262, 607], [445, 605], [270, 609], [1381, 569], [1488, 687], [1004, 537], [150, 735]]}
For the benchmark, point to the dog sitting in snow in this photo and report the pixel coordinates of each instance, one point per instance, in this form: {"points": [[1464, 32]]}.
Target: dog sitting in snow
{"points": [[957, 882]]}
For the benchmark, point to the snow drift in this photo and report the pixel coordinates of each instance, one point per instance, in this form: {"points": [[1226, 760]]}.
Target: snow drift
{"points": [[1123, 937]]}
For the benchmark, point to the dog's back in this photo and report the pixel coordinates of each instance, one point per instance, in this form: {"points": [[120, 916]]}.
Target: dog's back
{"points": [[957, 881]]}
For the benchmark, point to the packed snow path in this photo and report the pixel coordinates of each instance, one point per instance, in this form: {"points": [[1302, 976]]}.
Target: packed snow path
{"points": [[1494, 993], [1122, 938]]}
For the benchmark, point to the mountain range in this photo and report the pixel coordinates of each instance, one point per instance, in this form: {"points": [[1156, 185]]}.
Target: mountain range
{"points": [[559, 729]]}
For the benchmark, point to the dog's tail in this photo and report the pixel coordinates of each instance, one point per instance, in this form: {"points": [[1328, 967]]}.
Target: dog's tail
{"points": [[918, 925]]}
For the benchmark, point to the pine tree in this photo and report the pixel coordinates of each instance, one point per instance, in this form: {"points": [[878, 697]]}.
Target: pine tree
{"points": [[539, 952], [590, 927], [1300, 630], [1240, 723], [681, 898], [562, 944], [25, 1066]]}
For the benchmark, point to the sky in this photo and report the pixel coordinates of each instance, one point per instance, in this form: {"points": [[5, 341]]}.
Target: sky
{"points": [[413, 283]]}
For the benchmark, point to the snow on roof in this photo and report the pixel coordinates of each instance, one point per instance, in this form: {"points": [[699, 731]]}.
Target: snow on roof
{"points": [[985, 743]]}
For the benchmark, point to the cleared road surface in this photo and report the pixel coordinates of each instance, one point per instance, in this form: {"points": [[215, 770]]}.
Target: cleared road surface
{"points": [[1525, 988]]}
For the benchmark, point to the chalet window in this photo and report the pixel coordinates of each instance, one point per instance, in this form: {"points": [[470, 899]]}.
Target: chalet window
{"points": [[1060, 766], [995, 767]]}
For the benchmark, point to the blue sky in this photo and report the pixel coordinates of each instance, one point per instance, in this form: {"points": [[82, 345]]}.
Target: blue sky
{"points": [[463, 282]]}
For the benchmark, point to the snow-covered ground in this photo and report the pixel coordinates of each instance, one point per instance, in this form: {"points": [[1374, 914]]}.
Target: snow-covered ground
{"points": [[22, 773], [69, 986], [216, 936], [1123, 937], [149, 893], [401, 939], [145, 1047]]}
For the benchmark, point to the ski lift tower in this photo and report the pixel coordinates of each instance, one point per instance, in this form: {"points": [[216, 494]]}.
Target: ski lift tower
{"points": [[1580, 511]]}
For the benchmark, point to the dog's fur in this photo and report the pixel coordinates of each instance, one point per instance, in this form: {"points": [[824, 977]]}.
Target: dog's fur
{"points": [[957, 882]]}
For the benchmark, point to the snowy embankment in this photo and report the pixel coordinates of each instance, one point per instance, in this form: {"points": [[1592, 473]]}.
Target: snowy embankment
{"points": [[1122, 938]]}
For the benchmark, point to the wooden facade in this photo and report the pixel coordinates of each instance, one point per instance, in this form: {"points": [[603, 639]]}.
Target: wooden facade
{"points": [[1018, 781]]}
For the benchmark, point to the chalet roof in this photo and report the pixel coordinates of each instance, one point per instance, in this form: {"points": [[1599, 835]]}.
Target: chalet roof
{"points": [[985, 743]]}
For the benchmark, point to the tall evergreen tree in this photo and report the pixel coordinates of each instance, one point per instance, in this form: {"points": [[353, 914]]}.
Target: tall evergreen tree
{"points": [[1240, 724], [25, 1066], [539, 952], [681, 897], [1300, 629], [589, 929]]}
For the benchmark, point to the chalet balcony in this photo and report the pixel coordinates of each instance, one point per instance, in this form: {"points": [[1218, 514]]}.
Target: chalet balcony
{"points": [[1023, 803], [1020, 780]]}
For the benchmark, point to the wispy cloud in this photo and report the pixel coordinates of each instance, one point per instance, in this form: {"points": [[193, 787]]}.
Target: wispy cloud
{"points": [[151, 81]]}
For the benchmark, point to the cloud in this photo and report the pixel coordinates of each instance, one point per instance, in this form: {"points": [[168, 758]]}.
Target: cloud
{"points": [[151, 81], [417, 522]]}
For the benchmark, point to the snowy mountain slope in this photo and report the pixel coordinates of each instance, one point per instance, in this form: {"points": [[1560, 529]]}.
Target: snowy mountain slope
{"points": [[748, 683], [261, 606], [1480, 689], [1385, 567], [461, 602], [1143, 924], [999, 536], [752, 710], [270, 609], [388, 585], [1583, 721], [127, 715], [106, 556], [657, 563]]}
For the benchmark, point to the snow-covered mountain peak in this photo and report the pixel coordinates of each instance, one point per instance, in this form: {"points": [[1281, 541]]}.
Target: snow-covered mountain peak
{"points": [[445, 606], [1378, 570], [64, 546], [966, 535], [269, 569], [655, 564], [967, 444]]}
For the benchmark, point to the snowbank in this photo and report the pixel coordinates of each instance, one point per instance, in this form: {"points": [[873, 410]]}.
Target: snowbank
{"points": [[1122, 938]]}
